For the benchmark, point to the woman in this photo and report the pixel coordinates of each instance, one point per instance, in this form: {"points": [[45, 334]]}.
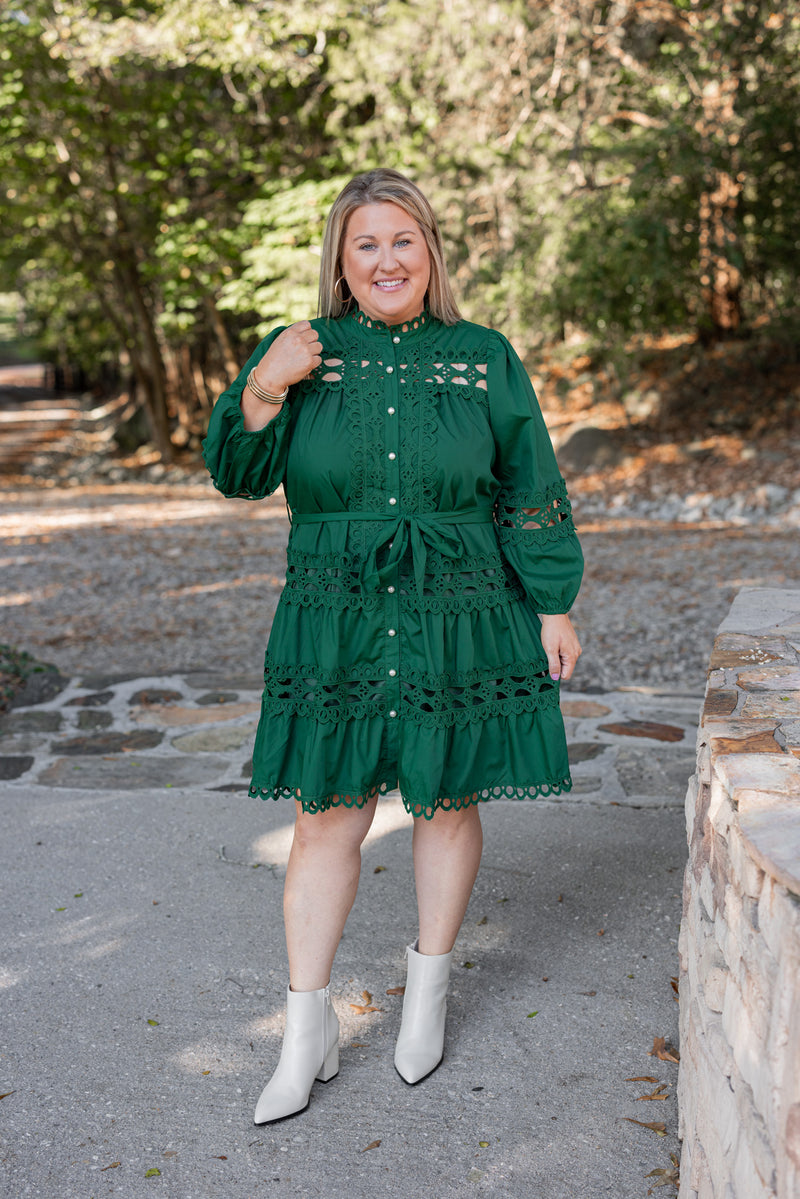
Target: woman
{"points": [[422, 630]]}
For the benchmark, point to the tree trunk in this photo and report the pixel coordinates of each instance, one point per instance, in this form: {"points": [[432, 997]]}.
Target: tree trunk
{"points": [[720, 279], [221, 333]]}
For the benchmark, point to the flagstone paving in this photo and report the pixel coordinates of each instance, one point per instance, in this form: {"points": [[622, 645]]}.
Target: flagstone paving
{"points": [[633, 746]]}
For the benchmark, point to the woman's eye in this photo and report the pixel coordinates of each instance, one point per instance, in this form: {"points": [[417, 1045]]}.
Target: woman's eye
{"points": [[368, 245], [403, 241]]}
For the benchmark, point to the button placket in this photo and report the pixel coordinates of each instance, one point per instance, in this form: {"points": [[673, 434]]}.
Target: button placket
{"points": [[392, 615]]}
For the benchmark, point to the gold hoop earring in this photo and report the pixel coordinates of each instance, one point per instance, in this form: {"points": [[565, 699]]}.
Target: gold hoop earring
{"points": [[341, 299]]}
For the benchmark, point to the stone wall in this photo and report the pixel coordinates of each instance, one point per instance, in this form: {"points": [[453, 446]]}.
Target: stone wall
{"points": [[739, 1081]]}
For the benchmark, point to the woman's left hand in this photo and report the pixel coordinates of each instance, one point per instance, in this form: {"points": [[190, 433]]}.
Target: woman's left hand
{"points": [[560, 643]]}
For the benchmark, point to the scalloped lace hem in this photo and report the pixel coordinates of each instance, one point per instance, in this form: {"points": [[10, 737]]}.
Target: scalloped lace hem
{"points": [[415, 808]]}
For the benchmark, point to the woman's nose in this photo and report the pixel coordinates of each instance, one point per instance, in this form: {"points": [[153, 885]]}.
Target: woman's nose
{"points": [[388, 258]]}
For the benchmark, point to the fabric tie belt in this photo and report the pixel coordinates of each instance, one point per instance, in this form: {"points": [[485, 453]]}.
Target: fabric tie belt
{"points": [[422, 532]]}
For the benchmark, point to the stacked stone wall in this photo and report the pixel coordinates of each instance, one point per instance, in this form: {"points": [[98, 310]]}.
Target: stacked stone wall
{"points": [[739, 1081]]}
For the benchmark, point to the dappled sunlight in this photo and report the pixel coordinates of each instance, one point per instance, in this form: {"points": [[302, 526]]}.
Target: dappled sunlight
{"points": [[390, 816], [271, 580], [28, 597], [213, 1058], [10, 978], [110, 928], [32, 521]]}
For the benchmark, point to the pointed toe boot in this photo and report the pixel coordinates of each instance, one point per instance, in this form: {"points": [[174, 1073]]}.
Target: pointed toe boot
{"points": [[310, 1051], [420, 1044]]}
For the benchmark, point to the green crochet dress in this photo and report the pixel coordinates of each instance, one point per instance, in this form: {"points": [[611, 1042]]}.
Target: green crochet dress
{"points": [[405, 650]]}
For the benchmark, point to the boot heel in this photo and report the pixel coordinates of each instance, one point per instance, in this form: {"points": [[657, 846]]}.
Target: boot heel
{"points": [[330, 1067]]}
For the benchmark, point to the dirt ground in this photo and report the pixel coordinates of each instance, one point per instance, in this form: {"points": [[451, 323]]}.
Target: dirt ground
{"points": [[149, 578]]}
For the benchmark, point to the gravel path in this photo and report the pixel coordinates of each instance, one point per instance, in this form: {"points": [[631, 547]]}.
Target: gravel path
{"points": [[158, 578]]}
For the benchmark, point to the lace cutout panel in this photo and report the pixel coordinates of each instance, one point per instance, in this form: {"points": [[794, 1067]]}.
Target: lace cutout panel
{"points": [[333, 581], [435, 701], [540, 515], [325, 581]]}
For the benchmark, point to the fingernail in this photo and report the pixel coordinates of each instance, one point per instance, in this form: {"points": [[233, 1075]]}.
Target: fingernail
{"points": [[555, 676]]}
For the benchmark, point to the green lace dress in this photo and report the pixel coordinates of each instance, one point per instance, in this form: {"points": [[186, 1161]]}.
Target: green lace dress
{"points": [[405, 650]]}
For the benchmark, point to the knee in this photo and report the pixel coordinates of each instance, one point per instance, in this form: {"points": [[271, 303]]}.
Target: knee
{"points": [[341, 829], [451, 827]]}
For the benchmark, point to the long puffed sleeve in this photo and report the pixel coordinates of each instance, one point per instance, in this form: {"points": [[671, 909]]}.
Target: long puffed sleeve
{"points": [[243, 464], [534, 519]]}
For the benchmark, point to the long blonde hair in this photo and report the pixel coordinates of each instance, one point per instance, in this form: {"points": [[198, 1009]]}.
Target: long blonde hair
{"points": [[383, 186]]}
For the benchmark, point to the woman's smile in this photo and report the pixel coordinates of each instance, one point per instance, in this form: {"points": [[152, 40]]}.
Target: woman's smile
{"points": [[385, 262]]}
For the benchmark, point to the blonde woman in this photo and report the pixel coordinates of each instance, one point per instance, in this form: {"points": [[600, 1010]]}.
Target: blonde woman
{"points": [[423, 630]]}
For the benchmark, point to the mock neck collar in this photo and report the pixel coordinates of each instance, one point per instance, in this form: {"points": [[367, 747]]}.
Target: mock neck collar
{"points": [[403, 329]]}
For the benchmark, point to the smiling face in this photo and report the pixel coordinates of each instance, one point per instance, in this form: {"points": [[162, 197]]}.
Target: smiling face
{"points": [[386, 263]]}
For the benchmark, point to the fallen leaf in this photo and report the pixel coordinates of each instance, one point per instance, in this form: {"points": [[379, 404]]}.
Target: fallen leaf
{"points": [[205, 1071], [530, 1015], [675, 985], [587, 992], [483, 1144], [358, 1045], [378, 869], [220, 1157], [468, 965], [153, 1023], [642, 1078], [371, 1145], [6, 1094], [396, 991], [483, 920], [601, 932], [170, 1153], [655, 1095], [112, 1166], [668, 1177], [663, 1051], [656, 1126], [365, 995], [153, 1172], [361, 1009]]}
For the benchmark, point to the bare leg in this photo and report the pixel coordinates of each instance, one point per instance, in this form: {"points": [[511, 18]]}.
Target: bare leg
{"points": [[321, 884], [447, 854]]}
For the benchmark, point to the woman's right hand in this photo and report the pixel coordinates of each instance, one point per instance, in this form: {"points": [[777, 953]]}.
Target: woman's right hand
{"points": [[293, 354]]}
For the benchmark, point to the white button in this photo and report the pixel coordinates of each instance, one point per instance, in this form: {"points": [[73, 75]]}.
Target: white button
{"points": [[390, 370], [392, 500], [390, 411], [392, 632], [392, 455], [392, 673], [390, 589], [392, 713], [396, 341]]}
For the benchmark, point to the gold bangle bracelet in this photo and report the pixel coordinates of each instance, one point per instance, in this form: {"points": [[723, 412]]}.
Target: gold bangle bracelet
{"points": [[262, 394]]}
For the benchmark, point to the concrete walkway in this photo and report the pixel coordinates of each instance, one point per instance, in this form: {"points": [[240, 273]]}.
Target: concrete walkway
{"points": [[143, 966]]}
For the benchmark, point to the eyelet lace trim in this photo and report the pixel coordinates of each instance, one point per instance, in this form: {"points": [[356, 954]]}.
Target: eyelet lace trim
{"points": [[415, 808], [367, 322], [333, 581], [432, 701], [541, 516]]}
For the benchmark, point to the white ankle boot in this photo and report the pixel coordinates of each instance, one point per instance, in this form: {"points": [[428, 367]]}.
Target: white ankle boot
{"points": [[420, 1044], [310, 1050]]}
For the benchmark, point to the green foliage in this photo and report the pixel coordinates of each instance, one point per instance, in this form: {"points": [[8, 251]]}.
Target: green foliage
{"points": [[612, 168]]}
